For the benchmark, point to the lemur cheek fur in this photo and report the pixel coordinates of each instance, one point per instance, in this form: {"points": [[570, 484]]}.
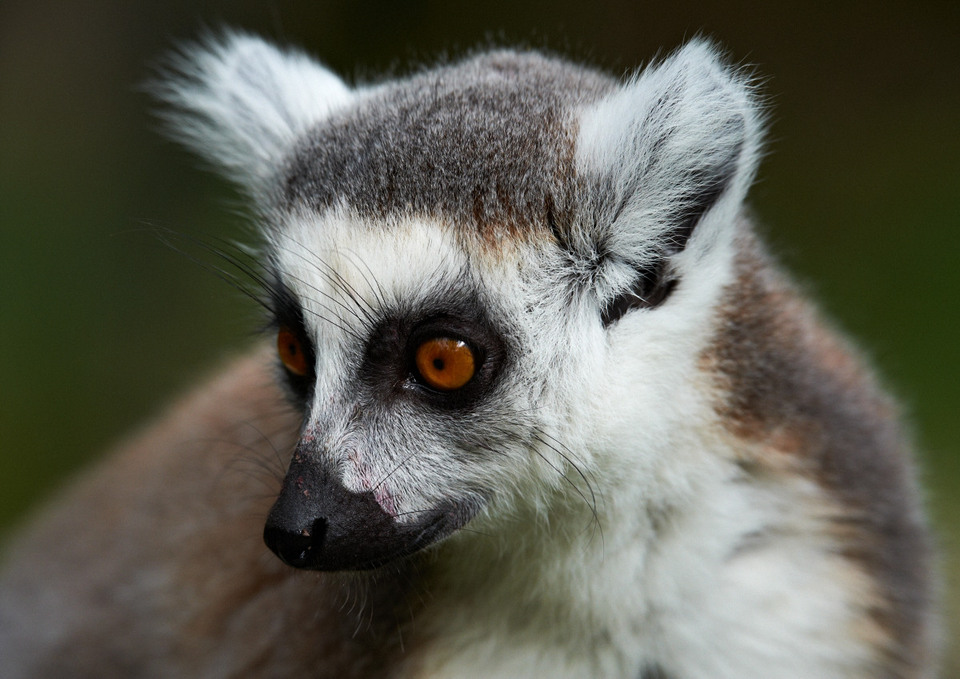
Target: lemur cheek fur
{"points": [[536, 403]]}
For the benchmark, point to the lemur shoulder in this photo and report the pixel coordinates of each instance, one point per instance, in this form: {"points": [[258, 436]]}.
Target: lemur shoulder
{"points": [[543, 404]]}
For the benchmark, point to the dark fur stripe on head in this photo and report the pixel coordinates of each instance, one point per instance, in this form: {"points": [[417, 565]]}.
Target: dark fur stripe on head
{"points": [[493, 144]]}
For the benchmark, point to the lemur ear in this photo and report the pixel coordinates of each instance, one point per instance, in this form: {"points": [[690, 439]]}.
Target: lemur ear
{"points": [[670, 153], [241, 103]]}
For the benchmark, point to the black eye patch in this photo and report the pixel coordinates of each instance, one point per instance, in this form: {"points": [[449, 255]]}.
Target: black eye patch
{"points": [[392, 367], [650, 291], [287, 321]]}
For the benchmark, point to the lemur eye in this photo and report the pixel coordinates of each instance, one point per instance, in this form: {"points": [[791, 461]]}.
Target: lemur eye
{"points": [[291, 352], [445, 363]]}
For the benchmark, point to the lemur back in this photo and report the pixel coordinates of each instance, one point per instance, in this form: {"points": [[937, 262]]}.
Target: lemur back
{"points": [[537, 403]]}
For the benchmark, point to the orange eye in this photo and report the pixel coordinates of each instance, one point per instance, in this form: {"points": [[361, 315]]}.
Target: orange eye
{"points": [[445, 363], [291, 353]]}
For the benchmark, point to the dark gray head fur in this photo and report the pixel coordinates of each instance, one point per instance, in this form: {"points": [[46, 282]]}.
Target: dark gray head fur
{"points": [[494, 143]]}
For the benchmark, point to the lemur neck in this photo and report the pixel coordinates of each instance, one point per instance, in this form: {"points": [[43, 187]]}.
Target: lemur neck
{"points": [[566, 584]]}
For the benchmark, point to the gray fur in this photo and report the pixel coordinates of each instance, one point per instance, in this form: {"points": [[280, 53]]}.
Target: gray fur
{"points": [[493, 145], [803, 386]]}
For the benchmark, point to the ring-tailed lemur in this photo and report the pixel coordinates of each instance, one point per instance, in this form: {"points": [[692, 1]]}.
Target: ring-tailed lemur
{"points": [[556, 413]]}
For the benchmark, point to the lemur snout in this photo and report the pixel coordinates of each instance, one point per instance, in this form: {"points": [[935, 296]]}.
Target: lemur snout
{"points": [[318, 524]]}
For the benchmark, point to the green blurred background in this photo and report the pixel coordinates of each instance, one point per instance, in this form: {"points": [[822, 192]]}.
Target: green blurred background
{"points": [[100, 324]]}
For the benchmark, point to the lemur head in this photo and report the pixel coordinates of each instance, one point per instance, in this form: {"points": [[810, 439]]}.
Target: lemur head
{"points": [[489, 280]]}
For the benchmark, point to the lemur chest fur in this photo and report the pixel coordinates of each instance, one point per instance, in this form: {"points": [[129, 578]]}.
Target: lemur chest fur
{"points": [[643, 601]]}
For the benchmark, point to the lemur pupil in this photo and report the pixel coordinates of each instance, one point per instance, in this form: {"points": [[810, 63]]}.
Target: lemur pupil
{"points": [[438, 363]]}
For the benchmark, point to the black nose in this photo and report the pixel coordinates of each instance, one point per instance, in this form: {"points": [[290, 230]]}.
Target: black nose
{"points": [[299, 549], [318, 524]]}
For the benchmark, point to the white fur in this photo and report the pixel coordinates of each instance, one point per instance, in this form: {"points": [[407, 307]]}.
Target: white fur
{"points": [[651, 135], [242, 103], [550, 593]]}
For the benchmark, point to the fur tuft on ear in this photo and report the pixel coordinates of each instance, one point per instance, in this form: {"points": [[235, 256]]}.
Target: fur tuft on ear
{"points": [[677, 143], [241, 103]]}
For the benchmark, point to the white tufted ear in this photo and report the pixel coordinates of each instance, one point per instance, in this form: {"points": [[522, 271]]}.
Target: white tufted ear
{"points": [[674, 145], [241, 103]]}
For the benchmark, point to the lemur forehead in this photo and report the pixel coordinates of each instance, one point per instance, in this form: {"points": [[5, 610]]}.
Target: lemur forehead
{"points": [[338, 260], [487, 143]]}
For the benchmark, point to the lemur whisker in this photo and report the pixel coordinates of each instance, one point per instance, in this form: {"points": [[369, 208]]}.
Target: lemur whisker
{"points": [[352, 311], [333, 318], [335, 279], [355, 296], [571, 457], [165, 235], [329, 316], [558, 447], [396, 468], [370, 278], [591, 502]]}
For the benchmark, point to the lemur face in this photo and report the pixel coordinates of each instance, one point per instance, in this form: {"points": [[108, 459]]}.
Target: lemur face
{"points": [[437, 371], [481, 273], [408, 385]]}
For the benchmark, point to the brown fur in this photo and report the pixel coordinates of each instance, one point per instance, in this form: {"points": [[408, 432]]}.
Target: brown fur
{"points": [[181, 509], [792, 386]]}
